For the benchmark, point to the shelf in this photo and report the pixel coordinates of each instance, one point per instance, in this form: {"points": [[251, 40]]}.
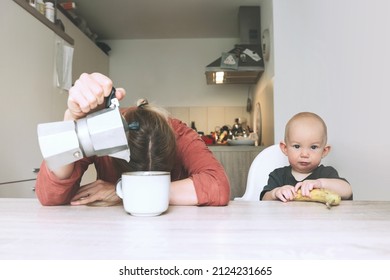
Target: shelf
{"points": [[25, 5]]}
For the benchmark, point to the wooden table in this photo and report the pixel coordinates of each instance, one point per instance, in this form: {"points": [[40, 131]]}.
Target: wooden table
{"points": [[243, 230]]}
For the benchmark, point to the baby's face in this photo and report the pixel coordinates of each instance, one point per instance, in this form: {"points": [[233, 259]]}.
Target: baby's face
{"points": [[305, 146]]}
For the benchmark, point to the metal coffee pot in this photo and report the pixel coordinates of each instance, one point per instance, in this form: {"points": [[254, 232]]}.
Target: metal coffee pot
{"points": [[101, 133]]}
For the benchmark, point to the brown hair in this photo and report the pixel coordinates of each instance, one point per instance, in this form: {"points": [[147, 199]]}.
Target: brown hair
{"points": [[152, 145]]}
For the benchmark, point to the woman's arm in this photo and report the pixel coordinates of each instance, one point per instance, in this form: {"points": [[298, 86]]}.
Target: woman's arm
{"points": [[197, 171], [51, 190], [55, 187], [183, 193], [87, 95]]}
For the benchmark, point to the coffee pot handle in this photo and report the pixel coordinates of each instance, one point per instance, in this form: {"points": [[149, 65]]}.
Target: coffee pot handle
{"points": [[110, 97]]}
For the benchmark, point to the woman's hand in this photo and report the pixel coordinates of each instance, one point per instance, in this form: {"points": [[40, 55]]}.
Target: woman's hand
{"points": [[88, 94], [98, 193]]}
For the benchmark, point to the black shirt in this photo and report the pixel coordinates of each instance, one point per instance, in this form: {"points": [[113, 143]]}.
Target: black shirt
{"points": [[283, 176]]}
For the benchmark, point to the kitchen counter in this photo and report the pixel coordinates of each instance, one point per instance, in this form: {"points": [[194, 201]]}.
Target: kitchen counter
{"points": [[231, 148], [236, 160], [263, 230]]}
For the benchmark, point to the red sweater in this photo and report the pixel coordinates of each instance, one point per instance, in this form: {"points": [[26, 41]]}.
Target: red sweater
{"points": [[194, 160]]}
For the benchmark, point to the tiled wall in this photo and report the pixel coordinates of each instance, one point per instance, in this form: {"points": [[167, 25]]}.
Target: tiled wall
{"points": [[208, 118]]}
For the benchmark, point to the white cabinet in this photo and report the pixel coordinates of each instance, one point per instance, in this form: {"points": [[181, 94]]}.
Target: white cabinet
{"points": [[28, 92], [87, 56], [19, 190]]}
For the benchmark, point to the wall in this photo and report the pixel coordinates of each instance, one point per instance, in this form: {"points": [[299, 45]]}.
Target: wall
{"points": [[210, 118], [170, 73], [263, 92], [332, 58]]}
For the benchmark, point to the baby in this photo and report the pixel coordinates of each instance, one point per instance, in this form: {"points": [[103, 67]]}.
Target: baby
{"points": [[305, 144]]}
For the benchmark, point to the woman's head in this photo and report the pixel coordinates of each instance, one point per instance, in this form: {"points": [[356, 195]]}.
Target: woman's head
{"points": [[152, 145]]}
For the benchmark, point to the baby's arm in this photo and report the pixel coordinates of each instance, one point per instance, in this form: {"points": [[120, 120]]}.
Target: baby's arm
{"points": [[339, 186], [283, 193]]}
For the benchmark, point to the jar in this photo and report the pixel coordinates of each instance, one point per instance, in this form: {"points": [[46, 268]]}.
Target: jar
{"points": [[49, 11], [40, 6], [32, 3]]}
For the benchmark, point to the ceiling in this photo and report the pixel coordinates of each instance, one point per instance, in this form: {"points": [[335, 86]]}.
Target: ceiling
{"points": [[161, 19]]}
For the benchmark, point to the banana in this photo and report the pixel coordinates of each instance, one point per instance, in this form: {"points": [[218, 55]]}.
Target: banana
{"points": [[325, 196]]}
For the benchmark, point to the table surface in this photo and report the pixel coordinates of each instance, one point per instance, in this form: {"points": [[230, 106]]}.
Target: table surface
{"points": [[242, 230]]}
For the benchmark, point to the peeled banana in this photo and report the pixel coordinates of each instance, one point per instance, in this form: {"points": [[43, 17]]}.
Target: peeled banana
{"points": [[325, 196]]}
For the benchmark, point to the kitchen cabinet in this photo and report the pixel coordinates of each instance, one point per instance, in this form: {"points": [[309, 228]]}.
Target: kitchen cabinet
{"points": [[29, 93], [19, 190], [26, 76], [87, 57], [236, 160]]}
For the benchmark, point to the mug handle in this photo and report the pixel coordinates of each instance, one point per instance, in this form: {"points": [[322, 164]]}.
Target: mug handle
{"points": [[119, 188]]}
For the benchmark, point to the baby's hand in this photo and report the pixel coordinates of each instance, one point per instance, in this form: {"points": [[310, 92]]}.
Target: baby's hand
{"points": [[284, 193], [307, 185]]}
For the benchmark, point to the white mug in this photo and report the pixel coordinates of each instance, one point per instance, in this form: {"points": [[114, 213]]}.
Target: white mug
{"points": [[144, 193]]}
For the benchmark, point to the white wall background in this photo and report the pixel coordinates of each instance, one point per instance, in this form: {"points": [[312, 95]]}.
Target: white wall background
{"points": [[171, 72], [332, 57], [263, 93]]}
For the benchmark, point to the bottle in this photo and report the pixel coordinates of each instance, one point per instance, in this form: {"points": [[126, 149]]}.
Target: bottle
{"points": [[32, 3], [237, 129], [40, 6], [68, 5], [193, 126], [49, 11]]}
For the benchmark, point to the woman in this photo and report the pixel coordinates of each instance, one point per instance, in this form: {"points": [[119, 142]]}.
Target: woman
{"points": [[160, 143]]}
